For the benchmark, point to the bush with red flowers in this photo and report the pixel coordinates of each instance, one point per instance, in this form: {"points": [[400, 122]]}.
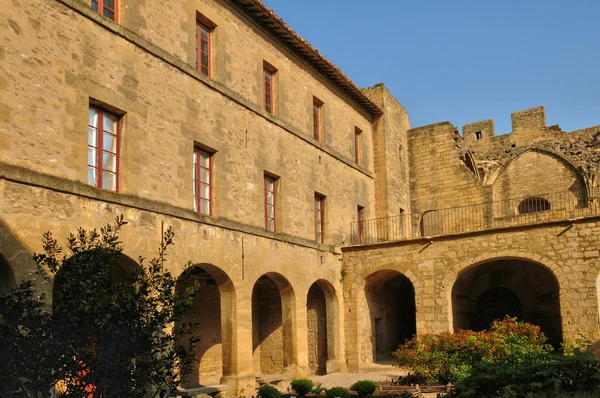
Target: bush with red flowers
{"points": [[448, 357]]}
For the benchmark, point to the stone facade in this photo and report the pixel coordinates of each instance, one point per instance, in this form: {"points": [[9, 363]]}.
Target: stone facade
{"points": [[283, 301]]}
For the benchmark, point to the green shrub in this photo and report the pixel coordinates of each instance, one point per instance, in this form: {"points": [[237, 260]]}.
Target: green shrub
{"points": [[449, 357], [558, 377], [268, 391], [302, 386], [337, 392], [364, 387]]}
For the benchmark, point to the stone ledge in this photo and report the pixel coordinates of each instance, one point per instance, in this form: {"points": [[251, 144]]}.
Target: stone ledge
{"points": [[23, 176], [187, 69]]}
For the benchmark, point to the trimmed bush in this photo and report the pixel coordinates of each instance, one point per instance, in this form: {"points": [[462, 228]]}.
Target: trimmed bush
{"points": [[302, 386], [364, 387], [268, 391], [449, 357], [337, 392], [559, 377]]}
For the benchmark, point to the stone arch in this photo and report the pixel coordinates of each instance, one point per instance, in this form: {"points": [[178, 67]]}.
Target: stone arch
{"points": [[273, 323], [322, 309], [496, 287], [533, 205], [7, 277], [551, 173], [470, 163], [391, 303], [214, 310]]}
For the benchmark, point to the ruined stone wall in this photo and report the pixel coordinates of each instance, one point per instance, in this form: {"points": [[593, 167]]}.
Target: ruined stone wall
{"points": [[569, 251]]}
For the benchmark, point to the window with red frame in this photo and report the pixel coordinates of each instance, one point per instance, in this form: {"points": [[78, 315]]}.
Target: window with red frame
{"points": [[202, 181], [108, 8], [317, 106], [360, 218], [268, 82], [357, 144], [203, 34], [319, 217], [103, 149], [270, 202]]}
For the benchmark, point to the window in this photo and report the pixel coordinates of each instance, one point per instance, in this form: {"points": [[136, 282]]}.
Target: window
{"points": [[533, 205], [203, 181], [103, 149], [319, 219], [317, 107], [478, 135], [268, 84], [360, 218], [270, 202], [203, 36], [108, 8], [357, 142]]}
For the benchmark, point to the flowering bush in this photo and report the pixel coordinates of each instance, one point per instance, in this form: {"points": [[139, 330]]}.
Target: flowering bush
{"points": [[448, 357]]}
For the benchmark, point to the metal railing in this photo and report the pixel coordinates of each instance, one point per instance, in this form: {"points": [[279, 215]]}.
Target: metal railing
{"points": [[557, 206]]}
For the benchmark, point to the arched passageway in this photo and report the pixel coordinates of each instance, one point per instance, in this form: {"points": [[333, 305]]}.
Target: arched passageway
{"points": [[513, 287], [322, 319], [213, 311], [7, 278], [391, 299], [273, 345]]}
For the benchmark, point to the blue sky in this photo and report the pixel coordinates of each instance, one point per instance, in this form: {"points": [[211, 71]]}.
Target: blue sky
{"points": [[464, 60]]}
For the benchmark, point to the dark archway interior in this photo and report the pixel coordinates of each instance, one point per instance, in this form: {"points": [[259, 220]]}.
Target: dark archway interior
{"points": [[316, 308], [206, 311], [7, 278], [518, 288], [391, 299]]}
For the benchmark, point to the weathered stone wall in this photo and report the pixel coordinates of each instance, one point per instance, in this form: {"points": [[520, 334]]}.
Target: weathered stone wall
{"points": [[316, 308], [569, 250]]}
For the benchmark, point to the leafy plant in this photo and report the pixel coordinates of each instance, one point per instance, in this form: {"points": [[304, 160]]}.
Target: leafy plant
{"points": [[449, 357], [364, 387], [318, 389], [116, 328], [268, 391], [337, 392], [302, 386]]}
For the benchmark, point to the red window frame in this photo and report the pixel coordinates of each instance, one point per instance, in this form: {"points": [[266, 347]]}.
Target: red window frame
{"points": [[317, 106], [203, 66], [199, 199], [97, 145], [273, 181], [319, 217], [360, 213], [102, 8], [268, 75], [357, 139]]}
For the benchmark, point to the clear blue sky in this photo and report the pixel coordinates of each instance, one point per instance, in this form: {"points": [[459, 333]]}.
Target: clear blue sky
{"points": [[464, 60]]}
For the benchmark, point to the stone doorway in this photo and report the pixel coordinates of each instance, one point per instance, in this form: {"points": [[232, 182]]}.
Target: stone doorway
{"points": [[272, 325], [513, 287], [322, 318], [391, 299], [213, 309]]}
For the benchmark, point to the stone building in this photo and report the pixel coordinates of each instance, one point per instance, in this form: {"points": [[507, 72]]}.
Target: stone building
{"points": [[322, 228]]}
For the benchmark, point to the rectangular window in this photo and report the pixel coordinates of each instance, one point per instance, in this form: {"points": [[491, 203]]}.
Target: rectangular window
{"points": [[319, 219], [270, 202], [360, 218], [203, 33], [103, 149], [317, 106], [108, 8], [357, 144], [478, 135], [202, 181], [268, 83]]}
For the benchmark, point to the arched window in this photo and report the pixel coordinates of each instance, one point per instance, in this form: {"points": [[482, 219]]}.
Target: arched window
{"points": [[533, 205]]}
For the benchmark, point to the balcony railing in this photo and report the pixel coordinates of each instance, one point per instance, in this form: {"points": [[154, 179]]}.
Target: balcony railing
{"points": [[557, 206]]}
